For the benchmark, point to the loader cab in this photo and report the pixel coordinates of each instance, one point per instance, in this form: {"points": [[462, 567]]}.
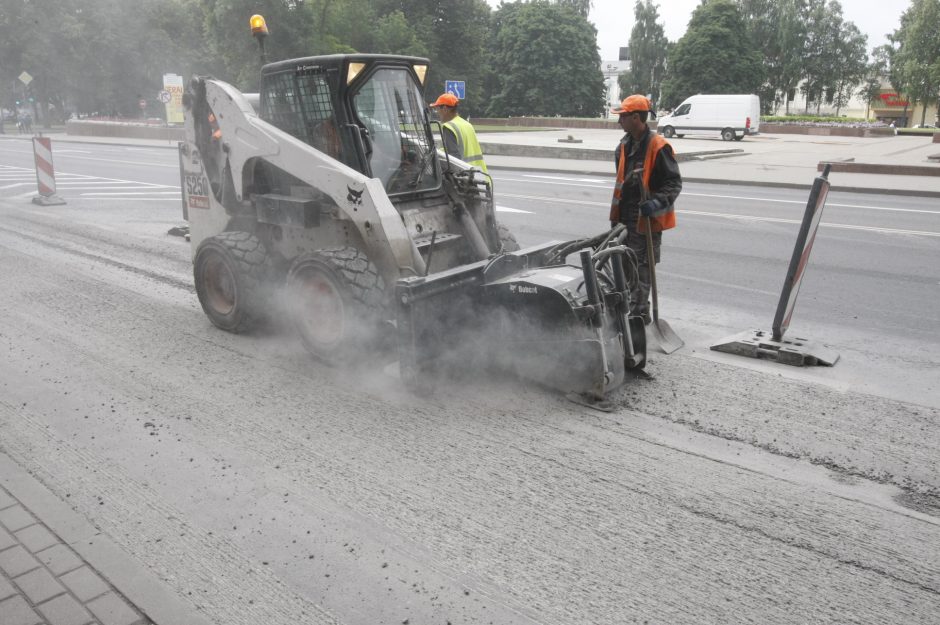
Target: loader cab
{"points": [[366, 110]]}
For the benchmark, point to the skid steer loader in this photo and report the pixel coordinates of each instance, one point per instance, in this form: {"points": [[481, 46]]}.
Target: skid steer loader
{"points": [[331, 204]]}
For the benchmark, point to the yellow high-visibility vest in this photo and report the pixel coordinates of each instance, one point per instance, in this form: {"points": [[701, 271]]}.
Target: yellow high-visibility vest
{"points": [[470, 149]]}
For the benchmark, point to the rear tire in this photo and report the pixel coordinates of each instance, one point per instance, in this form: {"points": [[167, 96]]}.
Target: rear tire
{"points": [[669, 132], [335, 299], [727, 134], [229, 271], [507, 239], [738, 137]]}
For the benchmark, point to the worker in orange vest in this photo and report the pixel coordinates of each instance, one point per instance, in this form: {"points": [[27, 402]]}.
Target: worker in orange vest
{"points": [[649, 193]]}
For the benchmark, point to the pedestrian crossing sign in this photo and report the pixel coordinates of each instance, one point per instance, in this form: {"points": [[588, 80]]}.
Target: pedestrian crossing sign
{"points": [[456, 87]]}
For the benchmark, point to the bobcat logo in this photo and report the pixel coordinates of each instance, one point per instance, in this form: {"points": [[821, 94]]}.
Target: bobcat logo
{"points": [[354, 197]]}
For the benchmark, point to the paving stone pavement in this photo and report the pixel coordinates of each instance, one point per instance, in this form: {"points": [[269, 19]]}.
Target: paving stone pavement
{"points": [[43, 581]]}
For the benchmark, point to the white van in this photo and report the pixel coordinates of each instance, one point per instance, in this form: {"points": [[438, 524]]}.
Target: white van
{"points": [[730, 116]]}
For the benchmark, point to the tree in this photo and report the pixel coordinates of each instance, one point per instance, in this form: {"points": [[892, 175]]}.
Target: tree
{"points": [[851, 63], [875, 72], [454, 34], [778, 29], [583, 7], [548, 62], [648, 50], [917, 56], [712, 56]]}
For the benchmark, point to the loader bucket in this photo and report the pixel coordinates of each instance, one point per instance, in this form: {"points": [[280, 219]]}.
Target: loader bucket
{"points": [[512, 314]]}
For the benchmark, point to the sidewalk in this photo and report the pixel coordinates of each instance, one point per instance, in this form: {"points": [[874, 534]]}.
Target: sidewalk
{"points": [[56, 569]]}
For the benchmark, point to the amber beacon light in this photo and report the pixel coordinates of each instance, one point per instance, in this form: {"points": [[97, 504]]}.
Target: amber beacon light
{"points": [[258, 26]]}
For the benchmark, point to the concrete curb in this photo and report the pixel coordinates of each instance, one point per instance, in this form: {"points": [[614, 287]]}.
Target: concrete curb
{"points": [[136, 583]]}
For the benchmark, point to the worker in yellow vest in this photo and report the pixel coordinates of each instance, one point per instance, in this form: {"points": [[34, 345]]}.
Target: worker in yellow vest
{"points": [[460, 139]]}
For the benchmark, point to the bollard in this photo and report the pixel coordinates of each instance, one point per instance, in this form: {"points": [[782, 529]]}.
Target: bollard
{"points": [[45, 173]]}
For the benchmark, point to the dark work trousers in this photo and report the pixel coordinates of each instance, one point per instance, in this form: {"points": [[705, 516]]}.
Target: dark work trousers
{"points": [[640, 291]]}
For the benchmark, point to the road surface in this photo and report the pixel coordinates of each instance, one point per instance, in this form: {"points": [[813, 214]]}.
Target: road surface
{"points": [[267, 488]]}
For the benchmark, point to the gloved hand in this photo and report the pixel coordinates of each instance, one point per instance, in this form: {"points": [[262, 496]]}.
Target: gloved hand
{"points": [[649, 207]]}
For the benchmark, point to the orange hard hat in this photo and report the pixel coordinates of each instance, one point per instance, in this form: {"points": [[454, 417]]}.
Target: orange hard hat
{"points": [[446, 99], [634, 104]]}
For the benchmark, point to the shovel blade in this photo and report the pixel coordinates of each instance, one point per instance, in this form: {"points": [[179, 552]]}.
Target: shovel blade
{"points": [[668, 340]]}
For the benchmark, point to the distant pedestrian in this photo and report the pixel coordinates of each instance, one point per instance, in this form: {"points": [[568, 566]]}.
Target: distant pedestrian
{"points": [[460, 139]]}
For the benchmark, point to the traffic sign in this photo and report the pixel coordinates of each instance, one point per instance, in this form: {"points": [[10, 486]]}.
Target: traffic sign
{"points": [[456, 87], [165, 96], [25, 78]]}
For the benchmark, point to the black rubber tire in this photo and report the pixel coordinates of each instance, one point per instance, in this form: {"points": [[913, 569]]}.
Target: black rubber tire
{"points": [[336, 301], [679, 136], [229, 272], [727, 134], [507, 239], [669, 132], [738, 137]]}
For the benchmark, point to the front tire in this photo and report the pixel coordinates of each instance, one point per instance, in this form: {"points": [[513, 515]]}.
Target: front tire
{"points": [[229, 271], [335, 301]]}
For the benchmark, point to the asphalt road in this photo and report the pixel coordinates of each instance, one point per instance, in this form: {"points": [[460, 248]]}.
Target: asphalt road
{"points": [[266, 488]]}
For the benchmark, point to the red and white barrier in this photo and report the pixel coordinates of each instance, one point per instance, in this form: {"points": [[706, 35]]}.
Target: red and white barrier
{"points": [[45, 172]]}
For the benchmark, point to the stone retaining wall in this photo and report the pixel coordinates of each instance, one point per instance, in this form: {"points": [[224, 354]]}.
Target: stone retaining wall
{"points": [[770, 128], [124, 130]]}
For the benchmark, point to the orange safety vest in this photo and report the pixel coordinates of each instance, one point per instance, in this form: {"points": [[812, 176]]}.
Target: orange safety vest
{"points": [[664, 219]]}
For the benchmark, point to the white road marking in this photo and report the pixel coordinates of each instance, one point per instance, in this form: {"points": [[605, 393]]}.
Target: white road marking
{"points": [[113, 160], [802, 203], [568, 182], [18, 184], [924, 233], [506, 209], [597, 180], [101, 193]]}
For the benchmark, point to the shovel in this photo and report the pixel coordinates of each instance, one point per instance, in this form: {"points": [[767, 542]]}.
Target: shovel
{"points": [[668, 340]]}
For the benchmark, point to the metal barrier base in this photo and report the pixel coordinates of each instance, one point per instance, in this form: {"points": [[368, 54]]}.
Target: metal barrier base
{"points": [[760, 344], [48, 200]]}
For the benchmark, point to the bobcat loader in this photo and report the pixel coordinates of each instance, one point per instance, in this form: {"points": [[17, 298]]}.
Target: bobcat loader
{"points": [[332, 205]]}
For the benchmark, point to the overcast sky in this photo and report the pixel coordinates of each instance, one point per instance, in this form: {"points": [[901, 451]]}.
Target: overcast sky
{"points": [[614, 20]]}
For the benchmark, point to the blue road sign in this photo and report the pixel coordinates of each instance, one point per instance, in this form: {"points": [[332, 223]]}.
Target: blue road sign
{"points": [[456, 87]]}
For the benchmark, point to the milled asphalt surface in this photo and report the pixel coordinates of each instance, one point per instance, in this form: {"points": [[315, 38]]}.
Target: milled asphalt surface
{"points": [[56, 568]]}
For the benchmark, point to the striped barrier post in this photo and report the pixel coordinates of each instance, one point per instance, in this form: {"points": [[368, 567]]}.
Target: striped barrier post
{"points": [[795, 351], [45, 173]]}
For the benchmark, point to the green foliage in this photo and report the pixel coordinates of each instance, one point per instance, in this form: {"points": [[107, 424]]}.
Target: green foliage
{"points": [[648, 50], [836, 59], [545, 62], [811, 119], [778, 29], [915, 61], [712, 56]]}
